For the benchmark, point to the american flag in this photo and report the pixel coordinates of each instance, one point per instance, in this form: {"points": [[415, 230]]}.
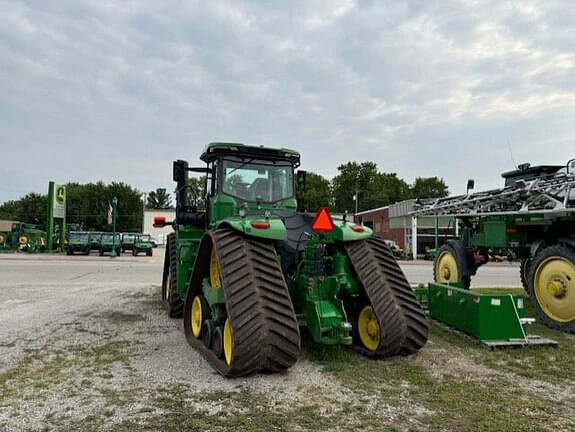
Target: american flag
{"points": [[110, 212]]}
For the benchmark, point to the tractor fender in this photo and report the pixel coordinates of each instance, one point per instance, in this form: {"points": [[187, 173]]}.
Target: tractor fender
{"points": [[344, 231], [468, 266], [275, 231]]}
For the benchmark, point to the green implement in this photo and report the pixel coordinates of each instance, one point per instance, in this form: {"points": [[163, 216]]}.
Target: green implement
{"points": [[108, 243], [78, 241], [248, 272], [496, 320], [531, 218]]}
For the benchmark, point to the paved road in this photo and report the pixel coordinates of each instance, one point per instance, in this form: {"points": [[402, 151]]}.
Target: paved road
{"points": [[30, 269]]}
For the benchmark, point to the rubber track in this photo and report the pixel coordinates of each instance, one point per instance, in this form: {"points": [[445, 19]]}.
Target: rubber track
{"points": [[174, 305], [265, 330], [402, 322]]}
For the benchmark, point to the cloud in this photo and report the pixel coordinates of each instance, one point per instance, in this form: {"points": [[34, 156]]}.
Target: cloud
{"points": [[116, 90]]}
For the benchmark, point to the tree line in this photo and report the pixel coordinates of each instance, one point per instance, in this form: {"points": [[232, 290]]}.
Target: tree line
{"points": [[87, 204], [371, 187]]}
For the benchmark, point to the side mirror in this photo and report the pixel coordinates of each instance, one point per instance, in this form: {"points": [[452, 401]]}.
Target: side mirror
{"points": [[301, 180], [180, 171], [470, 185]]}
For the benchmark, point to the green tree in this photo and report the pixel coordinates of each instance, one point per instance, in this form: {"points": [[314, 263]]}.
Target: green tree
{"points": [[32, 209], [159, 199], [430, 187], [196, 192], [317, 193], [373, 189]]}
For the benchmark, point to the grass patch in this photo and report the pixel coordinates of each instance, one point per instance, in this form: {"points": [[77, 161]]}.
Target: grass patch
{"points": [[41, 370], [450, 401]]}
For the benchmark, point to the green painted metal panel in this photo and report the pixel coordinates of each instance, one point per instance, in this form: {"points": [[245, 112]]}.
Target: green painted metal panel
{"points": [[484, 316]]}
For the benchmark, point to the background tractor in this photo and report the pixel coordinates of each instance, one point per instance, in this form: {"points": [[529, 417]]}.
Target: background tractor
{"points": [[531, 218], [250, 271]]}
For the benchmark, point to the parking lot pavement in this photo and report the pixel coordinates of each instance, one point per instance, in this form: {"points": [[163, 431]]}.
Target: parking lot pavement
{"points": [[492, 275]]}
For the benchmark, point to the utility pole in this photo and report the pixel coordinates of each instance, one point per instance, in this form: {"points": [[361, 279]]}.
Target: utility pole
{"points": [[114, 205]]}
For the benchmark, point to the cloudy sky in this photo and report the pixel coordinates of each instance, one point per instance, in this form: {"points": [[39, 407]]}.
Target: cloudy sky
{"points": [[116, 90]]}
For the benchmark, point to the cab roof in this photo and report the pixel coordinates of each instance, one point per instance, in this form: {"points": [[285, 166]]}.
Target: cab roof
{"points": [[216, 149]]}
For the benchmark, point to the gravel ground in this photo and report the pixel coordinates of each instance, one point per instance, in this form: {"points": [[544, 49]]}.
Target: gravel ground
{"points": [[85, 345]]}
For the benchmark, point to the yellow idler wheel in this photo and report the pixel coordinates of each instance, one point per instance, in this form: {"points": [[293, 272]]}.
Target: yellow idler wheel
{"points": [[555, 288], [228, 342], [215, 278], [368, 328], [446, 268], [197, 316], [2, 239]]}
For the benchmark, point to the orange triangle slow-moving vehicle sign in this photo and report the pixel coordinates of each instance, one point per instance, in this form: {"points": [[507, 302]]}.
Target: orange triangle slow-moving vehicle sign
{"points": [[322, 222]]}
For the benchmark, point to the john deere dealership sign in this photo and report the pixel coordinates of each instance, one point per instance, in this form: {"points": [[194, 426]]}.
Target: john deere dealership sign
{"points": [[59, 201]]}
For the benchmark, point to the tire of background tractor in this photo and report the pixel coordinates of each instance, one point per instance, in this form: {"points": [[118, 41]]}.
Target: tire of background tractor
{"points": [[393, 319], [149, 252], [134, 253], [261, 332], [172, 301], [524, 269], [552, 287], [101, 252], [447, 267]]}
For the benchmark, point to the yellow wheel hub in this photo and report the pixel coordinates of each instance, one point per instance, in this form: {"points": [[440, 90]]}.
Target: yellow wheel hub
{"points": [[23, 240], [228, 342], [555, 288], [196, 320], [446, 268], [215, 279], [368, 327], [1, 239]]}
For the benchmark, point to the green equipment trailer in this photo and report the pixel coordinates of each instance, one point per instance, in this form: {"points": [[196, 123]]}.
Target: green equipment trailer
{"points": [[108, 243], [78, 241], [533, 218], [142, 243], [249, 272]]}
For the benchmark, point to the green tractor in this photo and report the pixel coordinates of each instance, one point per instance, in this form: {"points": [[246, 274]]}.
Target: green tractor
{"points": [[78, 241], [28, 238], [250, 271], [532, 218], [142, 243], [109, 242]]}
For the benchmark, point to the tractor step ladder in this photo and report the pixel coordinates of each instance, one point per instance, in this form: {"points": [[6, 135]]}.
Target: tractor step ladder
{"points": [[494, 320], [542, 195]]}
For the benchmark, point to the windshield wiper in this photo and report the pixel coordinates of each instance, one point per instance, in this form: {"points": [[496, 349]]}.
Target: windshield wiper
{"points": [[241, 166]]}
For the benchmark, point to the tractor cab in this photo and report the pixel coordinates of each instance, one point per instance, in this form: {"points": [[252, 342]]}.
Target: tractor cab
{"points": [[239, 180]]}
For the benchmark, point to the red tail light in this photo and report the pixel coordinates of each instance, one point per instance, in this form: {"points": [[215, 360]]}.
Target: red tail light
{"points": [[322, 222], [357, 228], [260, 225], [159, 221], [512, 230]]}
